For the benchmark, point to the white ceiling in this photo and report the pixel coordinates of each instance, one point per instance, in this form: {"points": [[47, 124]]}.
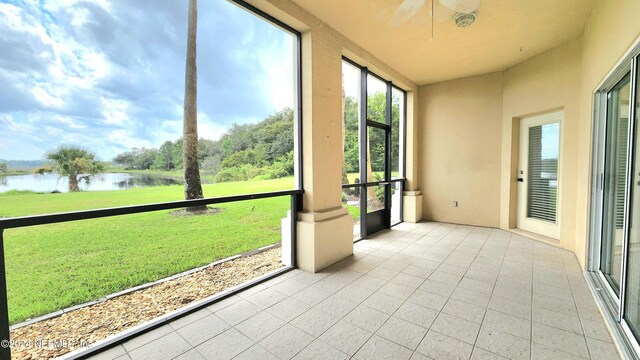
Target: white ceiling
{"points": [[505, 33]]}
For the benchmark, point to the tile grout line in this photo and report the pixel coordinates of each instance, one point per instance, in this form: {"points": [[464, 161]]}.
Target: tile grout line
{"points": [[342, 318], [573, 296], [403, 302], [441, 240], [456, 285], [440, 311], [491, 295], [531, 304], [474, 258]]}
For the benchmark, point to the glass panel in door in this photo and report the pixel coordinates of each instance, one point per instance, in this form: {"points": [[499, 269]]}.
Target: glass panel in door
{"points": [[616, 150], [542, 192], [351, 201], [377, 158], [632, 287], [396, 202], [375, 198]]}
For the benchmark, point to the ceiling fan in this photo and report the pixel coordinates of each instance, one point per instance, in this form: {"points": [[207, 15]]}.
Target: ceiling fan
{"points": [[463, 12]]}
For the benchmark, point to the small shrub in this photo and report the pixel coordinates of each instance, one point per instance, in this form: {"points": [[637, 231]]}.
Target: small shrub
{"points": [[238, 173]]}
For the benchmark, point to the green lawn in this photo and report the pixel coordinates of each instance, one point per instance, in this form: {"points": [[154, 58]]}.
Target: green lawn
{"points": [[354, 211], [51, 267]]}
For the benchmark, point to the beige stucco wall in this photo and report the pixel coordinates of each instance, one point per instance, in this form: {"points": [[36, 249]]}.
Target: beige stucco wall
{"points": [[487, 111], [611, 30], [459, 141], [468, 141], [546, 82], [561, 78]]}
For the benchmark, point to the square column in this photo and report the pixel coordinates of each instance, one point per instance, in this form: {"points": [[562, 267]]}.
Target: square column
{"points": [[325, 228]]}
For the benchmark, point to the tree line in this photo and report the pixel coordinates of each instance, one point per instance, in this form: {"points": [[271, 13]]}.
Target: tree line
{"points": [[263, 150]]}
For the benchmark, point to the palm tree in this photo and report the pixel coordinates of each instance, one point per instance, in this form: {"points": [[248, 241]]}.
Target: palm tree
{"points": [[192, 185], [75, 163]]}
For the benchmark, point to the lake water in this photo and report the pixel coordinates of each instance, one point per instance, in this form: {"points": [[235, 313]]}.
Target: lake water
{"points": [[105, 181]]}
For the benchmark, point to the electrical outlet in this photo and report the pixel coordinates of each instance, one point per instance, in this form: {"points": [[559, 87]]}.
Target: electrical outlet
{"points": [[455, 203]]}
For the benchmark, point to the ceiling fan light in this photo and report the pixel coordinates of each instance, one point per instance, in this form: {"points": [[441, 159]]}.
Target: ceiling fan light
{"points": [[464, 6], [463, 19]]}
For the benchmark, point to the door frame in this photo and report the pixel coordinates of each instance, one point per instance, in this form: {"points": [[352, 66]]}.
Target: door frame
{"points": [[522, 222], [380, 219], [613, 305], [615, 300], [372, 222]]}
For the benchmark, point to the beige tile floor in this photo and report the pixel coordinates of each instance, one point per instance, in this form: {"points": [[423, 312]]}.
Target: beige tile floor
{"points": [[419, 291]]}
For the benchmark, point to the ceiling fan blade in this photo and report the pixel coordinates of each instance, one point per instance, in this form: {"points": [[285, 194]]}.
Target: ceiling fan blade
{"points": [[465, 6], [421, 19], [406, 11]]}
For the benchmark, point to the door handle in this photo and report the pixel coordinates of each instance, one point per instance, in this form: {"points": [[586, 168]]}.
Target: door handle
{"points": [[520, 180]]}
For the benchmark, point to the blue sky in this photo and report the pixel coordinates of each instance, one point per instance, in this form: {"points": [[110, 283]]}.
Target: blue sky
{"points": [[109, 75], [550, 140]]}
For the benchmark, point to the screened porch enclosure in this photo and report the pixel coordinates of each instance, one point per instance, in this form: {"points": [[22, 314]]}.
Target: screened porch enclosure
{"points": [[441, 179]]}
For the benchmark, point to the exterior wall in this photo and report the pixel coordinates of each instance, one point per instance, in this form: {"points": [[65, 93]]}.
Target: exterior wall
{"points": [[460, 125], [546, 82], [561, 78], [475, 123], [610, 31], [325, 229]]}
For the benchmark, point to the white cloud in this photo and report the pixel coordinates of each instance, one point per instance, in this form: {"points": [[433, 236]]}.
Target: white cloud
{"points": [[54, 6], [44, 94], [10, 143], [110, 75], [128, 140], [171, 130], [115, 111], [278, 76], [209, 129], [55, 133], [71, 123], [11, 15], [10, 125]]}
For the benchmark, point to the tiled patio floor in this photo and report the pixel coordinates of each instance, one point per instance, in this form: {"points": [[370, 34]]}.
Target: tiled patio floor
{"points": [[419, 291]]}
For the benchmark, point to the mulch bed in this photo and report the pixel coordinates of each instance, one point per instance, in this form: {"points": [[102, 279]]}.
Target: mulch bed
{"points": [[207, 211], [57, 336]]}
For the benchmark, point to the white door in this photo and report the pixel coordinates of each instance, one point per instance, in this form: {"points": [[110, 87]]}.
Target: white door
{"points": [[539, 174]]}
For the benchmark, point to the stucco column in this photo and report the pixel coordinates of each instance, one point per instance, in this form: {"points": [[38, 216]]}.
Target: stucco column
{"points": [[412, 197], [325, 228]]}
